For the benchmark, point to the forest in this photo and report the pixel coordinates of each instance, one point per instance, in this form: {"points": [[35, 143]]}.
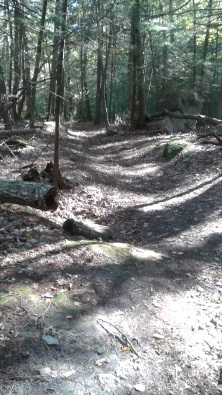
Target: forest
{"points": [[110, 197], [103, 58]]}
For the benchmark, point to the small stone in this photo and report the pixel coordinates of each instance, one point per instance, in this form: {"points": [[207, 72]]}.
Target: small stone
{"points": [[112, 359], [140, 387], [100, 350], [44, 371], [51, 341]]}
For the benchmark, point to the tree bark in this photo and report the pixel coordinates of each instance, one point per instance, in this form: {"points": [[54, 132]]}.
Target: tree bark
{"points": [[205, 47], [37, 63], [59, 92], [52, 88], [137, 108], [87, 229], [36, 195], [3, 104]]}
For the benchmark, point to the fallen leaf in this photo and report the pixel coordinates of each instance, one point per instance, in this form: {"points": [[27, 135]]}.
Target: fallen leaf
{"points": [[125, 348], [157, 336], [101, 361], [67, 374]]}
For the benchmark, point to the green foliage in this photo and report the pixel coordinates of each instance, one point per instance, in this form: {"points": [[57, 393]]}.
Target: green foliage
{"points": [[174, 35]]}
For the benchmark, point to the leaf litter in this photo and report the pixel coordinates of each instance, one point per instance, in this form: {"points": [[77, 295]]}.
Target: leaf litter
{"points": [[169, 213]]}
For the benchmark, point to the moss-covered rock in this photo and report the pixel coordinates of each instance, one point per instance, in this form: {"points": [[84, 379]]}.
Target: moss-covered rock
{"points": [[172, 149], [17, 142]]}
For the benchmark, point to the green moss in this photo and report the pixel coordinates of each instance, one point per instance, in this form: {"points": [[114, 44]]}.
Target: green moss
{"points": [[119, 251], [172, 149], [17, 142], [28, 331], [4, 298]]}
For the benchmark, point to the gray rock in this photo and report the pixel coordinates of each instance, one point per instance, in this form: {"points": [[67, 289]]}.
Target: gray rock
{"points": [[111, 130], [51, 341], [45, 371], [100, 350], [112, 359]]}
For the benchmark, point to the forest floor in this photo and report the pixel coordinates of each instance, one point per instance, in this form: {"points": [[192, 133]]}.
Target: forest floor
{"points": [[141, 313]]}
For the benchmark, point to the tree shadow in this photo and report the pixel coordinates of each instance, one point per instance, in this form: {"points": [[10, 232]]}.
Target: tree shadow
{"points": [[91, 282]]}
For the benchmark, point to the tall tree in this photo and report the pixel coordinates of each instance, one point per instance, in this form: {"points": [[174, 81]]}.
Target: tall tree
{"points": [[59, 88], [56, 38], [137, 108], [37, 64]]}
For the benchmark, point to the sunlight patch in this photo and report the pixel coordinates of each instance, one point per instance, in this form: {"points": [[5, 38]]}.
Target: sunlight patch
{"points": [[181, 197]]}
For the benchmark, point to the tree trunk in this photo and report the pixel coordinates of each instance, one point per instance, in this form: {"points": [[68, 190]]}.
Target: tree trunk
{"points": [[137, 109], [194, 76], [59, 91], [17, 46], [37, 63], [51, 97], [3, 104], [99, 72], [99, 93], [205, 46], [219, 105], [37, 195]]}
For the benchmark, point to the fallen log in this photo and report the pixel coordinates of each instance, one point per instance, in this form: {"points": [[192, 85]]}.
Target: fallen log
{"points": [[36, 195], [195, 117], [17, 132], [88, 229]]}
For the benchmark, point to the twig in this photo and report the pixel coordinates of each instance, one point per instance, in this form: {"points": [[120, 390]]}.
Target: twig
{"points": [[123, 339], [218, 138], [38, 324], [35, 159]]}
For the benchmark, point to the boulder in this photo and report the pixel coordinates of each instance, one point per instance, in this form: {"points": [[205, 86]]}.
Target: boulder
{"points": [[186, 102], [172, 149]]}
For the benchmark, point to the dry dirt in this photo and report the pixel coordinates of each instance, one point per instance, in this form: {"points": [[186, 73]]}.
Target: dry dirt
{"points": [[139, 314]]}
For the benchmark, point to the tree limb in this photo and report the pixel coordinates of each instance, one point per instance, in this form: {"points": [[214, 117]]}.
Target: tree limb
{"points": [[196, 117]]}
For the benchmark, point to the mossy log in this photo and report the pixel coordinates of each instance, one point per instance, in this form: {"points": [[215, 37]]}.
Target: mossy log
{"points": [[37, 195]]}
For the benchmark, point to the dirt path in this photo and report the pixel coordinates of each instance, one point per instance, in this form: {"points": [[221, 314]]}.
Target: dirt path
{"points": [[141, 314]]}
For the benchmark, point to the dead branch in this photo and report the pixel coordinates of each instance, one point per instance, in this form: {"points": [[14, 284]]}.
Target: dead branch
{"points": [[196, 117], [123, 339], [210, 141]]}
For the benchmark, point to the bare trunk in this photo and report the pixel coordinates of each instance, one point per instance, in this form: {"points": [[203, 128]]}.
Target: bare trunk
{"points": [[59, 91], [37, 64]]}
